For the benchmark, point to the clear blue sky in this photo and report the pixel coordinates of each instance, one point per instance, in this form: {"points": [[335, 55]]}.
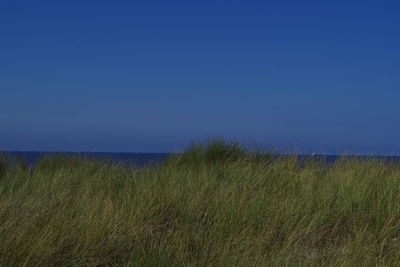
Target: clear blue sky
{"points": [[117, 76]]}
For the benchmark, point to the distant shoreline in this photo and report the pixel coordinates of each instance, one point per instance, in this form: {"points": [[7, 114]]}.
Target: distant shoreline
{"points": [[146, 158]]}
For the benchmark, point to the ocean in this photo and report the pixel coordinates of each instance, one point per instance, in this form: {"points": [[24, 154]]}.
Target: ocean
{"points": [[146, 159], [136, 159]]}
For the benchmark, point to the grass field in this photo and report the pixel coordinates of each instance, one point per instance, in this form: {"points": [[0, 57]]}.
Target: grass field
{"points": [[214, 205]]}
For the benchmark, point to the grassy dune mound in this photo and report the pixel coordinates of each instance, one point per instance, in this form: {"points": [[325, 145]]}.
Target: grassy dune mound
{"points": [[214, 205]]}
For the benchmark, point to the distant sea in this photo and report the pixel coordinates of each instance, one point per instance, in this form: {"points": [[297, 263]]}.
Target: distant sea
{"points": [[136, 159], [145, 159]]}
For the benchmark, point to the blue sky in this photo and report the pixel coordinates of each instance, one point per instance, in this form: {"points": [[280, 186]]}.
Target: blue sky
{"points": [[117, 76]]}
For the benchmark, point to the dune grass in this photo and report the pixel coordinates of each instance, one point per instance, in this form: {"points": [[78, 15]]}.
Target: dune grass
{"points": [[214, 205]]}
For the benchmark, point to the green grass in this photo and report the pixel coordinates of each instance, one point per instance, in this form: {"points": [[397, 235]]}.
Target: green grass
{"points": [[215, 205]]}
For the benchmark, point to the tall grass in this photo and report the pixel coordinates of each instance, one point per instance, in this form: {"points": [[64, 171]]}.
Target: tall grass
{"points": [[215, 205], [3, 163]]}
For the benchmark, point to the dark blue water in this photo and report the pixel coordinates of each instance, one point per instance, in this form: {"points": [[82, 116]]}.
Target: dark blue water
{"points": [[146, 159], [136, 159]]}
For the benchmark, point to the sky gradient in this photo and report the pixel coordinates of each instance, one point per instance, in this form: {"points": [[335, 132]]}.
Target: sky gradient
{"points": [[124, 77]]}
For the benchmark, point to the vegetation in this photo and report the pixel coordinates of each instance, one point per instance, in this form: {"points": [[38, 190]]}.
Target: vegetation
{"points": [[214, 205], [4, 163]]}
